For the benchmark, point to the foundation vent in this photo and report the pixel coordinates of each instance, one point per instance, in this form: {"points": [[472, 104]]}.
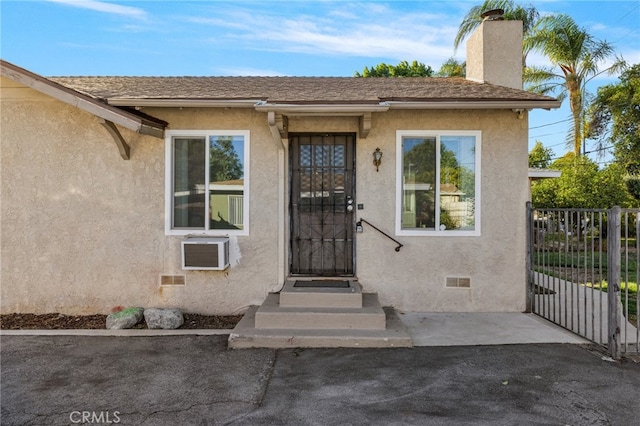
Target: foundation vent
{"points": [[458, 282], [173, 280]]}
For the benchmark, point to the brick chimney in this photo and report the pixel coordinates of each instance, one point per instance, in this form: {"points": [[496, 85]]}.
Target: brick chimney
{"points": [[494, 52]]}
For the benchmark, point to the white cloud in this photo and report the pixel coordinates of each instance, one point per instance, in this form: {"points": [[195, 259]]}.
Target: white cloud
{"points": [[101, 6], [373, 32]]}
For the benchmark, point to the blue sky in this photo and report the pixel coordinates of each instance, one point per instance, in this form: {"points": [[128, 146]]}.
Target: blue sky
{"points": [[296, 38]]}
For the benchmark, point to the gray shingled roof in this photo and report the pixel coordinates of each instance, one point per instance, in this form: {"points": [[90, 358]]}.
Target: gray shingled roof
{"points": [[296, 90]]}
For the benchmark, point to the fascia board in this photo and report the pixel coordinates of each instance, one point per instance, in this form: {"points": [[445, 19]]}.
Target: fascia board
{"points": [[80, 100], [322, 109], [487, 104], [184, 103]]}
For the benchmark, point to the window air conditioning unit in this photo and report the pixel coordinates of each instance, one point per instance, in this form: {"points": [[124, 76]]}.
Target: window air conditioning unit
{"points": [[205, 254]]}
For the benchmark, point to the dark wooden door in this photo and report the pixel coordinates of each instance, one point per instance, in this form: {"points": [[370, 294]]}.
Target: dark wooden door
{"points": [[322, 204]]}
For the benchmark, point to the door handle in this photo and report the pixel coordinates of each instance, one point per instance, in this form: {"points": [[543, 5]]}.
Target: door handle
{"points": [[349, 203]]}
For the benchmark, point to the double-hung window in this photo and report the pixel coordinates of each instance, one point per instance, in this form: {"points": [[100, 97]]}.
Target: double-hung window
{"points": [[207, 182], [438, 183]]}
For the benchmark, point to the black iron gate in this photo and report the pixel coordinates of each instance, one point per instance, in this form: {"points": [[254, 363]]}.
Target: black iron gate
{"points": [[322, 202], [583, 273]]}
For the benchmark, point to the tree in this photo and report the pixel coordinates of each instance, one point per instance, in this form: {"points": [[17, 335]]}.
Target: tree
{"points": [[540, 157], [575, 57], [224, 163], [452, 68], [512, 12], [614, 118], [581, 185], [403, 69]]}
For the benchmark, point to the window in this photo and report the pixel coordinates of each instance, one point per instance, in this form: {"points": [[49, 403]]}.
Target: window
{"points": [[207, 182], [438, 176]]}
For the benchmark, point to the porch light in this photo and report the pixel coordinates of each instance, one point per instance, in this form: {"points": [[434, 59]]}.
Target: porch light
{"points": [[377, 158]]}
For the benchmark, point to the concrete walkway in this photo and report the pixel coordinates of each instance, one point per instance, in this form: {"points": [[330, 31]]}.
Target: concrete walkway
{"points": [[426, 329], [462, 329]]}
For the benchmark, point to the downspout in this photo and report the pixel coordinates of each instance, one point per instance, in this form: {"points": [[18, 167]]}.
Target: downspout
{"points": [[278, 127]]}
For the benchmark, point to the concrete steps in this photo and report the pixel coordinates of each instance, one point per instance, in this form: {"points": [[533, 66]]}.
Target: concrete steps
{"points": [[319, 316], [368, 317], [293, 296]]}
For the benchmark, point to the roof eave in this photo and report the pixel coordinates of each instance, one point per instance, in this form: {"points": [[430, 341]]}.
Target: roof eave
{"points": [[322, 109], [183, 103], [82, 101], [475, 104], [535, 174], [354, 108]]}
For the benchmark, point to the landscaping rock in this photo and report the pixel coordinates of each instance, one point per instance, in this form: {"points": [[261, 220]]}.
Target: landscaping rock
{"points": [[126, 318], [168, 319]]}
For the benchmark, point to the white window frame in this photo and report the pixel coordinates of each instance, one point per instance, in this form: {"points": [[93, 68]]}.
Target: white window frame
{"points": [[169, 168], [400, 134]]}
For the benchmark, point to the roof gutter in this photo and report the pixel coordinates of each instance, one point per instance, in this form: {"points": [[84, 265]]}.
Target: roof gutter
{"points": [[322, 109], [184, 103], [333, 109], [484, 104]]}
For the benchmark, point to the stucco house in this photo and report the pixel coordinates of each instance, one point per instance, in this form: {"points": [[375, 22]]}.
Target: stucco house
{"points": [[209, 193]]}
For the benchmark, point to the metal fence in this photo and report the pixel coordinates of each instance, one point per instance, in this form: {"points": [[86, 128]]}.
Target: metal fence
{"points": [[583, 273]]}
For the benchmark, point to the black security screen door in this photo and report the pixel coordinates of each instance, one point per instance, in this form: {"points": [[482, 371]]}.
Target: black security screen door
{"points": [[322, 203]]}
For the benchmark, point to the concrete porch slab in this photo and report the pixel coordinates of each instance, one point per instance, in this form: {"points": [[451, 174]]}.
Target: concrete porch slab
{"points": [[292, 296], [245, 335], [464, 329]]}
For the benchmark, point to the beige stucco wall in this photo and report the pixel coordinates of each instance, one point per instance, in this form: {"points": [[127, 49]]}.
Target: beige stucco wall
{"points": [[414, 278], [83, 230], [495, 261]]}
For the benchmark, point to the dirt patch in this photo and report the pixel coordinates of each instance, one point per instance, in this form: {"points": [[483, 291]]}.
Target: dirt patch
{"points": [[57, 321]]}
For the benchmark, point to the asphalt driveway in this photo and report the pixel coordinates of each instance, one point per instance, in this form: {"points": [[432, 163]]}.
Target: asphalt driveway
{"points": [[196, 380]]}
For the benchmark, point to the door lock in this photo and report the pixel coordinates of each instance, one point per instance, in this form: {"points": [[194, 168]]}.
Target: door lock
{"points": [[349, 203]]}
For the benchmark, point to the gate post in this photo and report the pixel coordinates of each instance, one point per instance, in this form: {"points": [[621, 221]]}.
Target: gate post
{"points": [[530, 287], [613, 281]]}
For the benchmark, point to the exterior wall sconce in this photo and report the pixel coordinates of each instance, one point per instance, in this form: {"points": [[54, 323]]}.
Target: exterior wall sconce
{"points": [[377, 158]]}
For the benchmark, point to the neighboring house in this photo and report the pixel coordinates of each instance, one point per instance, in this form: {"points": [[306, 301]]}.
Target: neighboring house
{"points": [[538, 174], [282, 167]]}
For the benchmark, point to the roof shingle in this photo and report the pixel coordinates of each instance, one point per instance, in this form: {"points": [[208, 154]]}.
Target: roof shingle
{"points": [[296, 90]]}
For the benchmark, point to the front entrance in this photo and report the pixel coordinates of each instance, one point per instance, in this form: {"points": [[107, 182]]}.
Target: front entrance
{"points": [[321, 204]]}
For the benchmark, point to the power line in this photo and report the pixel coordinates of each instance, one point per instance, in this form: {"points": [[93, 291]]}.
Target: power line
{"points": [[551, 124], [628, 13], [599, 149], [624, 16], [546, 134]]}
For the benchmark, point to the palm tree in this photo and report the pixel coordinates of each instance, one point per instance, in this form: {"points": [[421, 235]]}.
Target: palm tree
{"points": [[512, 12], [575, 57]]}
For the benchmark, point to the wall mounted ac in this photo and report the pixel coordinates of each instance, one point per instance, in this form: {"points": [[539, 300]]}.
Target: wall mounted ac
{"points": [[205, 253]]}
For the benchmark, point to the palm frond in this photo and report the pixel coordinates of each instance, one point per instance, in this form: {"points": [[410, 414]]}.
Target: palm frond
{"points": [[472, 19]]}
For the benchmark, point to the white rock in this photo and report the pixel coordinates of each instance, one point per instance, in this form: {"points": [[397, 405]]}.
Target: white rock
{"points": [[168, 319]]}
